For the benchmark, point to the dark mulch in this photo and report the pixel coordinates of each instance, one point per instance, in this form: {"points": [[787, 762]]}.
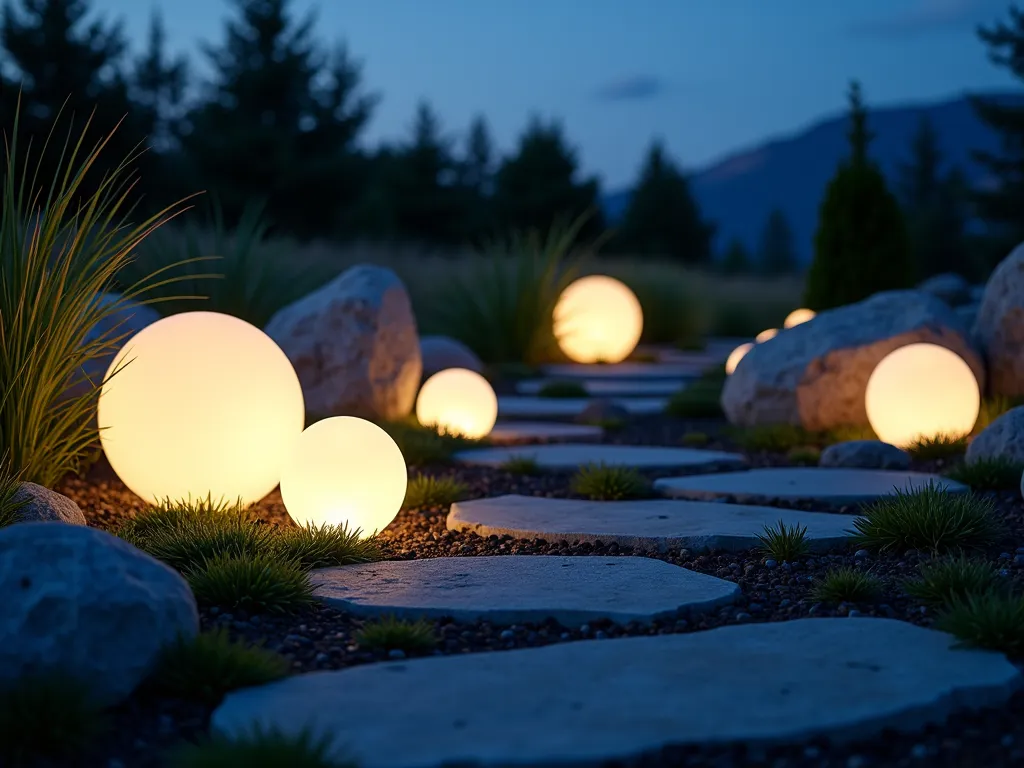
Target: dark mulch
{"points": [[322, 638]]}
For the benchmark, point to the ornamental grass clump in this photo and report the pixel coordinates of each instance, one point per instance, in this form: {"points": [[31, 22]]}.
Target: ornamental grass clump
{"points": [[945, 581], [784, 544], [847, 585], [430, 491], [252, 583], [999, 473], [604, 482], [260, 749], [393, 634], [992, 620]]}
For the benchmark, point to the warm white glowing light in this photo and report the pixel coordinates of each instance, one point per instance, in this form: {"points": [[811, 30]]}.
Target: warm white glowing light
{"points": [[598, 320], [458, 401], [766, 335], [921, 391], [345, 471], [798, 316], [735, 356], [207, 404]]}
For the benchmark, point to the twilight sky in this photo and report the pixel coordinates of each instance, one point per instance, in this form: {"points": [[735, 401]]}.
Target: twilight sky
{"points": [[708, 76]]}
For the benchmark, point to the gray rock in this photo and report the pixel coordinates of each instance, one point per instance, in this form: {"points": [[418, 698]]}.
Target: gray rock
{"points": [[948, 287], [442, 352], [815, 374], [864, 454], [81, 602], [603, 411], [968, 314], [41, 505], [1004, 437], [999, 328], [522, 589], [354, 345], [595, 702], [977, 293]]}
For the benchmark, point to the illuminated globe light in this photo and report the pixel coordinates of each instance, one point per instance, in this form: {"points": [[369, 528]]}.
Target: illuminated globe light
{"points": [[345, 471], [207, 405], [798, 316], [921, 391], [598, 320], [458, 401], [766, 335], [735, 356]]}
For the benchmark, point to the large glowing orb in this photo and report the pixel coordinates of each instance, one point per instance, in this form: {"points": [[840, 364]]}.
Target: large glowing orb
{"points": [[598, 320], [458, 401]]}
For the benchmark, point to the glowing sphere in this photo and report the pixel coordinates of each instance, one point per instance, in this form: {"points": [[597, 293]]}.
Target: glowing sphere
{"points": [[207, 404], [921, 391], [598, 320], [345, 471], [766, 335], [735, 356], [798, 316], [458, 401]]}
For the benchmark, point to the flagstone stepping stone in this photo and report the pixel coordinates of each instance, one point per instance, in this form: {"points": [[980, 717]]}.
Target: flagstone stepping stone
{"points": [[524, 407], [514, 589], [596, 701], [563, 456], [611, 387], [623, 371], [833, 486], [649, 525], [522, 431]]}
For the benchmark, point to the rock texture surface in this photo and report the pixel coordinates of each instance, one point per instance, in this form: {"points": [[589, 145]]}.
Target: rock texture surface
{"points": [[82, 602], [442, 352], [568, 456], [864, 454], [41, 505], [354, 345], [599, 702], [999, 327], [815, 374], [1004, 438], [950, 287]]}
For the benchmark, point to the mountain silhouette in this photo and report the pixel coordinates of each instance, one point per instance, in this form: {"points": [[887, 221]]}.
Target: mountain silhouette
{"points": [[791, 173]]}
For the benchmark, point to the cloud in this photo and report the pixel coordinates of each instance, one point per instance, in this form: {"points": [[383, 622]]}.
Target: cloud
{"points": [[922, 17], [633, 88]]}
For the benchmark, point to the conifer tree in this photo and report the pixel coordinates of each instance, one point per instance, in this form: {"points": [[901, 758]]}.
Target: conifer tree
{"points": [[776, 252]]}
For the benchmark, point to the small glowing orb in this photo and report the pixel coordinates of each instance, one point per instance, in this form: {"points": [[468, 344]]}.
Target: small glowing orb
{"points": [[345, 471], [206, 405], [921, 391], [798, 316], [598, 320], [735, 356], [766, 335], [458, 401]]}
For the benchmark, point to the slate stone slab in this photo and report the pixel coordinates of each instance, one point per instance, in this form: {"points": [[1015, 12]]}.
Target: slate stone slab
{"points": [[542, 431], [565, 456], [827, 485], [516, 589], [611, 387], [523, 407], [595, 701], [647, 371], [654, 525]]}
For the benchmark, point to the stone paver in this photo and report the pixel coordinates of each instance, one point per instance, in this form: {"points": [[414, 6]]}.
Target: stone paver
{"points": [[523, 407], [646, 371], [654, 525], [611, 387], [522, 431], [514, 589], [561, 456], [828, 485], [588, 702]]}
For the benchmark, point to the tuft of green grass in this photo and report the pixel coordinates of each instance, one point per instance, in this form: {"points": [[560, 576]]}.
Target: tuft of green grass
{"points": [[992, 620], [323, 546], [179, 515], [994, 407], [784, 544], [695, 439], [48, 716], [64, 240], [10, 508], [931, 519], [999, 473], [430, 491], [389, 634], [195, 541], [521, 465], [426, 445], [780, 438], [603, 482], [260, 749], [700, 399], [804, 455], [937, 447], [253, 583], [847, 585], [567, 390], [945, 581], [211, 665]]}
